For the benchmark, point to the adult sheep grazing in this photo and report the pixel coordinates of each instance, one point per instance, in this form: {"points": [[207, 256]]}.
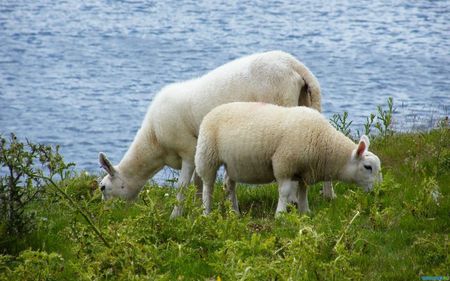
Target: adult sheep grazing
{"points": [[168, 134], [260, 143]]}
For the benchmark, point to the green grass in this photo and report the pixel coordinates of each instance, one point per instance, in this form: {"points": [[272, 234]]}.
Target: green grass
{"points": [[400, 231]]}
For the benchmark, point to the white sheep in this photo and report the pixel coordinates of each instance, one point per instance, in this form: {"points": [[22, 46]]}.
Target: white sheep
{"points": [[259, 143], [168, 135]]}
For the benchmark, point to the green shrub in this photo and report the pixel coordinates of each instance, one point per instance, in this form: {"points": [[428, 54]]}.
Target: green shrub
{"points": [[22, 168]]}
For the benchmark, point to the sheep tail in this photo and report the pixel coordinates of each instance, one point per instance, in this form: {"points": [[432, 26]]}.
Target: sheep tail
{"points": [[315, 95], [311, 86]]}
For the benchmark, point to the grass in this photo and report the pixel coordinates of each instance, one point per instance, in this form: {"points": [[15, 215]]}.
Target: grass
{"points": [[400, 231]]}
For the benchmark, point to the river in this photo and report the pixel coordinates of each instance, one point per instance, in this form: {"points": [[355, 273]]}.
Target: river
{"points": [[82, 73]]}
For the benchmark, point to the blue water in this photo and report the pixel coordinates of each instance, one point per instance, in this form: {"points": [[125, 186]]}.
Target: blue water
{"points": [[82, 73]]}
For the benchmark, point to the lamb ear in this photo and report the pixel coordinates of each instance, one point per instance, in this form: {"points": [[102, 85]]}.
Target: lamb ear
{"points": [[363, 145], [106, 164]]}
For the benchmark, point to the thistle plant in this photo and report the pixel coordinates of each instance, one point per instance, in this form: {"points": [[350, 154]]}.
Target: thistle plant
{"points": [[341, 123], [384, 119]]}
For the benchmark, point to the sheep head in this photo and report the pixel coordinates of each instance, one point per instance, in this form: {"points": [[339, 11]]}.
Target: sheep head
{"points": [[114, 184], [364, 167]]}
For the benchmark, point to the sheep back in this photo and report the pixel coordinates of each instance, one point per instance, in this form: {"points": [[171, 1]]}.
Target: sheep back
{"points": [[260, 142], [271, 77]]}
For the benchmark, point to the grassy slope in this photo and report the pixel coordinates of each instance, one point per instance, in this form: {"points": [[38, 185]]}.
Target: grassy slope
{"points": [[398, 232]]}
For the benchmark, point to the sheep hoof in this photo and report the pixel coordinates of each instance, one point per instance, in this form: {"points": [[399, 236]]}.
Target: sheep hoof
{"points": [[177, 211]]}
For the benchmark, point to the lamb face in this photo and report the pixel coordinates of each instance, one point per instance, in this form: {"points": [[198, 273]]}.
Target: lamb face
{"points": [[364, 167], [114, 184]]}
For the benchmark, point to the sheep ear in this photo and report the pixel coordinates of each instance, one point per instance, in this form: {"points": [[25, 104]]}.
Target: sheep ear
{"points": [[363, 146], [106, 164]]}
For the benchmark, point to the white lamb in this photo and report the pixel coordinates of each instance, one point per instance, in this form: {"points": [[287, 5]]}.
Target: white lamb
{"points": [[168, 135], [260, 143]]}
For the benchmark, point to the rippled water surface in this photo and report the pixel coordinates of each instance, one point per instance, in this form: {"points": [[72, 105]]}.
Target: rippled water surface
{"points": [[82, 73]]}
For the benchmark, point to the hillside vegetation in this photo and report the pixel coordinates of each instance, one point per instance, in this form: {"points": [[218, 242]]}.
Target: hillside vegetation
{"points": [[400, 231]]}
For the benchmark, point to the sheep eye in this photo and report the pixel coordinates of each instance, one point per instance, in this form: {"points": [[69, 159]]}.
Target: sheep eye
{"points": [[122, 187], [368, 167]]}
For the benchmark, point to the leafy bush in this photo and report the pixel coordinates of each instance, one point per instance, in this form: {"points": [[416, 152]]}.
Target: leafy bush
{"points": [[23, 168]]}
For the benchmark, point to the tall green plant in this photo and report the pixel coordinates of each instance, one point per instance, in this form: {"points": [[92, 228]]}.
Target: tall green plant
{"points": [[384, 119], [368, 124], [22, 166], [26, 169], [341, 123]]}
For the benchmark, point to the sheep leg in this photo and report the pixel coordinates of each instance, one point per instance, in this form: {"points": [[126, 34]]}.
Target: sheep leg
{"points": [[208, 176], [327, 190], [284, 189], [208, 189], [293, 196], [187, 168], [198, 184], [230, 189], [303, 206]]}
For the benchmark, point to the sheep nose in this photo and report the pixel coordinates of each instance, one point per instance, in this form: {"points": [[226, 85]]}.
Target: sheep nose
{"points": [[102, 188]]}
